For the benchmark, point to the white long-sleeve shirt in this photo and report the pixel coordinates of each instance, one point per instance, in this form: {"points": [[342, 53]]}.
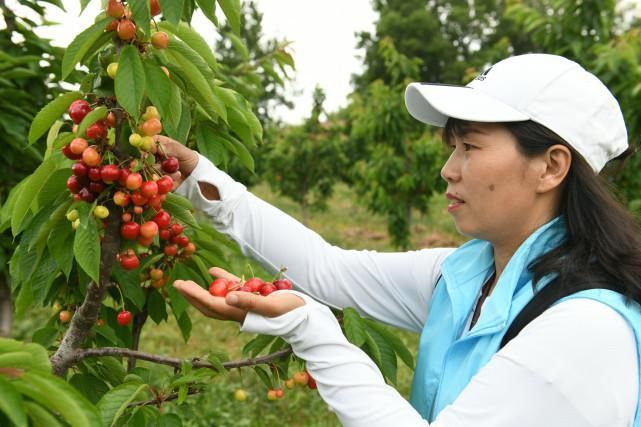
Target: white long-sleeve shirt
{"points": [[575, 365]]}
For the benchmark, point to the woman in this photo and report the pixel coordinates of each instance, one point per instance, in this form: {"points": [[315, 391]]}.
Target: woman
{"points": [[528, 137]]}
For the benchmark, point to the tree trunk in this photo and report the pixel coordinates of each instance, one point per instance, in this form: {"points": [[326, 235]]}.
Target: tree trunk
{"points": [[6, 308]]}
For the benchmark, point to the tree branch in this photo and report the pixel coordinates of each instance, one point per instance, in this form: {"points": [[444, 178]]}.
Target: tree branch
{"points": [[175, 362], [87, 314], [161, 399]]}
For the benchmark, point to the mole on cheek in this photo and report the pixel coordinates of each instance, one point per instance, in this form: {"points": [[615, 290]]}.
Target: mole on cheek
{"points": [[491, 187]]}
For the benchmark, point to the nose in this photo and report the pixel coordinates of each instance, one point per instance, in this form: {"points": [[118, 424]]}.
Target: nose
{"points": [[450, 171]]}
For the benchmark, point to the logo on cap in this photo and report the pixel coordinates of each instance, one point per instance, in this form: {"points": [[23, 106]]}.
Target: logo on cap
{"points": [[483, 75]]}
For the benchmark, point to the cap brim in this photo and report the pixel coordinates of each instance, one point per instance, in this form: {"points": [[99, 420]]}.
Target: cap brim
{"points": [[434, 104]]}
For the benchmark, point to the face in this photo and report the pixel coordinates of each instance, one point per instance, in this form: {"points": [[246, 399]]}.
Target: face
{"points": [[491, 185]]}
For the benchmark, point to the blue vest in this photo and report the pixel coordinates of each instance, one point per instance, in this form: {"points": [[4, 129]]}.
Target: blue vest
{"points": [[446, 360]]}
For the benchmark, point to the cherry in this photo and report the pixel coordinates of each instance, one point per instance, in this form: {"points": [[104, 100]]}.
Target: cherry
{"points": [[154, 7], [151, 127], [311, 383], [138, 210], [129, 262], [78, 110], [156, 202], [111, 119], [282, 284], [101, 212], [271, 394], [110, 173], [170, 250], [124, 174], [290, 384], [138, 199], [163, 219], [91, 157], [73, 185], [126, 30], [176, 229], [96, 131], [112, 26], [130, 230], [94, 174], [149, 189], [158, 283], [96, 187], [72, 215], [151, 112], [134, 181], [126, 217], [181, 240], [121, 198], [64, 316], [165, 184], [189, 249], [115, 9], [124, 317], [219, 287], [279, 392], [112, 70], [164, 234], [254, 283], [267, 289], [86, 195], [160, 40], [149, 229], [78, 145], [100, 322], [79, 169], [66, 150], [301, 378], [240, 395], [170, 165], [145, 241], [156, 274]]}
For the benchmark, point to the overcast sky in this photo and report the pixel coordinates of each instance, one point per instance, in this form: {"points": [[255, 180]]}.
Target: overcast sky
{"points": [[322, 35]]}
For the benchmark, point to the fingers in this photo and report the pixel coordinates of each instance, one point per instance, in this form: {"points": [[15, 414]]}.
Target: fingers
{"points": [[207, 304], [220, 273], [270, 306]]}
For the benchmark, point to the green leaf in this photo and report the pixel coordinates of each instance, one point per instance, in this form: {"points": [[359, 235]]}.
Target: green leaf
{"points": [[175, 205], [114, 403], [29, 191], [130, 81], [58, 243], [40, 416], [264, 376], [45, 336], [43, 277], [184, 323], [397, 344], [354, 327], [231, 8], [241, 151], [95, 115], [11, 404], [52, 136], [163, 93], [129, 281], [238, 123], [257, 344], [201, 92], [156, 307], [178, 302], [81, 45], [181, 132], [86, 248], [141, 14], [172, 10], [50, 113], [194, 40], [383, 354], [90, 386], [58, 396], [208, 8], [62, 140], [216, 362], [239, 46]]}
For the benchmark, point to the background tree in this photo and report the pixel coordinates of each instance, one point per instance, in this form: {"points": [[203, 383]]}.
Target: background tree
{"points": [[29, 72]]}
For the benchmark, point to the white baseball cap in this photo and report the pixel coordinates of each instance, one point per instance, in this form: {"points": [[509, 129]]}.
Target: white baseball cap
{"points": [[547, 89]]}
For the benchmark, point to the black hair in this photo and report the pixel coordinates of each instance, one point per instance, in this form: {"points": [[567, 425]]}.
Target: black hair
{"points": [[603, 242]]}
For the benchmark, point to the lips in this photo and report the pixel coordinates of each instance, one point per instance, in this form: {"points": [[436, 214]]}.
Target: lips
{"points": [[453, 198], [455, 202]]}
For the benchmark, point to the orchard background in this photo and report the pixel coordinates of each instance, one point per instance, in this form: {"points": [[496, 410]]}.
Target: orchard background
{"points": [[95, 334]]}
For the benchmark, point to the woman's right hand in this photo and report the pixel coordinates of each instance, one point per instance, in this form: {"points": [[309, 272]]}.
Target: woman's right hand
{"points": [[187, 158]]}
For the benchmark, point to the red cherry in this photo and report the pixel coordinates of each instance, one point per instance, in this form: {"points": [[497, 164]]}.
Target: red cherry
{"points": [[134, 181], [267, 289], [254, 283], [130, 230], [96, 187], [126, 217], [283, 284], [110, 121], [121, 198], [124, 317], [145, 241], [124, 174], [79, 169], [156, 202], [149, 189], [160, 40], [110, 173], [154, 7], [170, 250], [64, 316], [73, 185], [129, 262], [126, 30], [164, 234], [138, 210], [163, 219], [78, 110], [66, 150], [94, 174], [149, 229], [138, 199], [86, 195], [279, 392], [170, 165], [219, 287], [181, 240], [115, 9], [311, 382], [176, 229], [96, 131], [165, 184]]}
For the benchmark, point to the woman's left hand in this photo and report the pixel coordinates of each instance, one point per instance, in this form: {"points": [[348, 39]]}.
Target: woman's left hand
{"points": [[236, 305]]}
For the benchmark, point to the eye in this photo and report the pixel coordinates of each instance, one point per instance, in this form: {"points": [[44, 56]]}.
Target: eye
{"points": [[467, 147]]}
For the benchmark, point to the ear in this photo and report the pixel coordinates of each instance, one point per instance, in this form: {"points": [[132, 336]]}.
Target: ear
{"points": [[555, 164]]}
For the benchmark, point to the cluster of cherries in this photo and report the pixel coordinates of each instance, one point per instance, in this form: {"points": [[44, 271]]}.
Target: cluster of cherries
{"points": [[299, 379], [221, 286], [134, 185], [125, 27]]}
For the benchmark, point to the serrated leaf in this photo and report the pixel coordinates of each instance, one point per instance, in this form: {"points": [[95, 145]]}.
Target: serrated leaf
{"points": [[114, 403], [58, 396], [354, 327], [50, 113], [81, 45], [129, 282], [163, 93], [59, 241], [216, 362], [383, 353], [238, 123], [241, 151], [141, 14], [29, 191], [184, 323], [208, 8], [178, 302], [231, 8], [172, 10], [397, 344], [256, 345], [156, 307], [130, 80], [264, 376], [43, 277], [86, 248], [178, 211], [95, 115]]}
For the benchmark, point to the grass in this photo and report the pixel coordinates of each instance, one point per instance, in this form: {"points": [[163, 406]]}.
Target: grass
{"points": [[344, 223]]}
